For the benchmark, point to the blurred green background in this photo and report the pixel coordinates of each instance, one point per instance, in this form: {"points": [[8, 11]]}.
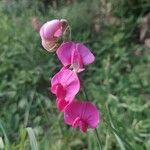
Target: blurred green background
{"points": [[118, 82]]}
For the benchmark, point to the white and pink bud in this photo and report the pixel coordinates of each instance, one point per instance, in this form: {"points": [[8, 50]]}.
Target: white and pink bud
{"points": [[52, 32]]}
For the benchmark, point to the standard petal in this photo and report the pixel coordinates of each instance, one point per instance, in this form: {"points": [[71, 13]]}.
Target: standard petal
{"points": [[68, 82], [64, 53], [48, 30], [91, 115], [72, 89], [67, 76], [60, 76], [72, 111], [82, 114], [76, 60], [76, 122], [87, 56]]}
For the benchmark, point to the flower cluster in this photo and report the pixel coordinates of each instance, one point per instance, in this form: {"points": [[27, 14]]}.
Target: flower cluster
{"points": [[65, 84]]}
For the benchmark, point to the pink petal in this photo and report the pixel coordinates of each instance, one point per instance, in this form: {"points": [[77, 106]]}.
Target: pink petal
{"points": [[87, 56], [75, 54], [48, 30], [86, 112], [76, 122], [91, 115], [76, 60], [59, 90], [72, 111], [64, 53], [61, 104], [83, 126], [58, 33], [69, 81], [61, 30], [72, 89], [59, 76]]}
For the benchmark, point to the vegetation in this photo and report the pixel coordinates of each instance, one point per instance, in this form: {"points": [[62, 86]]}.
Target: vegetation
{"points": [[118, 82]]}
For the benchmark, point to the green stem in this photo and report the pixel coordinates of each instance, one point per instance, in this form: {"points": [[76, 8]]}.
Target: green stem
{"points": [[96, 132], [85, 94], [65, 32], [98, 139]]}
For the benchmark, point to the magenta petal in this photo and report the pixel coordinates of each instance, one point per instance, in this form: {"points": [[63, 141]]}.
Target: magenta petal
{"points": [[82, 114], [91, 115], [83, 126], [72, 111], [60, 91], [76, 60], [87, 56], [72, 88], [54, 88], [51, 32], [75, 55], [76, 122], [64, 53], [65, 84], [58, 33], [48, 30], [61, 104]]}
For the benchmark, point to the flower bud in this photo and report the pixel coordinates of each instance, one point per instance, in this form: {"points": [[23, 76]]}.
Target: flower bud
{"points": [[51, 33]]}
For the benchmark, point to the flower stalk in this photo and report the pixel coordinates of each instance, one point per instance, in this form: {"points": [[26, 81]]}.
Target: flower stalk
{"points": [[66, 84], [96, 131]]}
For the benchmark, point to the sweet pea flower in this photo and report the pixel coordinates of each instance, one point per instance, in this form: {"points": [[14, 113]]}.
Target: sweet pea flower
{"points": [[82, 114], [75, 55], [65, 85], [51, 33]]}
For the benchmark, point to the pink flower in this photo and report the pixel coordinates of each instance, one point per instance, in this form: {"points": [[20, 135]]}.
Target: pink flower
{"points": [[82, 114], [51, 33], [76, 55], [65, 85]]}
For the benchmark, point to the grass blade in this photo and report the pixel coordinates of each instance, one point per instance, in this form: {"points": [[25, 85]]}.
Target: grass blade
{"points": [[32, 138], [1, 143], [7, 145], [122, 143]]}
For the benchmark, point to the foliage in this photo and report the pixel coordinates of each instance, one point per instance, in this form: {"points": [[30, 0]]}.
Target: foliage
{"points": [[118, 82]]}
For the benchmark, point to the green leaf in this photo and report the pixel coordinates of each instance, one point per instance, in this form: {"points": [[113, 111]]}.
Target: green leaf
{"points": [[121, 144]]}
